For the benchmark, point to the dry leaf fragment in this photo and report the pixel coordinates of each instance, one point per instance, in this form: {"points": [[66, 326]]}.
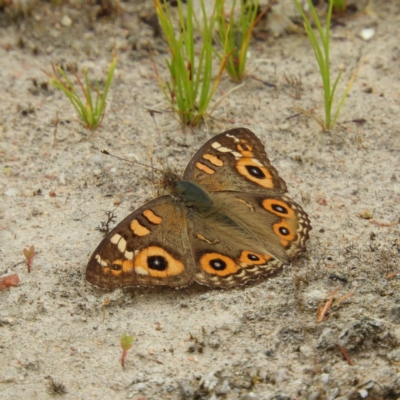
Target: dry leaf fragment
{"points": [[345, 355], [346, 296], [322, 310], [8, 281], [383, 224]]}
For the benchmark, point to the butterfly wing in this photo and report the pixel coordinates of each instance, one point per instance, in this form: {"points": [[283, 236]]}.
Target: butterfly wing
{"points": [[255, 228], [234, 160], [246, 236], [149, 247]]}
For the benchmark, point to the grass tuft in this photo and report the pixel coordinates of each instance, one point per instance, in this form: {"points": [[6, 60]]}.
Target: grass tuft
{"points": [[191, 86], [235, 34], [90, 104], [320, 45]]}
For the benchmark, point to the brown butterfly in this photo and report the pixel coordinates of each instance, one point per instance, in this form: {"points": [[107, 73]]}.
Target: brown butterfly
{"points": [[227, 221]]}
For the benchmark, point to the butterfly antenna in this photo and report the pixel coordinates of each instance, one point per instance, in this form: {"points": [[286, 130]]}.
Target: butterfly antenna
{"points": [[151, 163], [132, 162]]}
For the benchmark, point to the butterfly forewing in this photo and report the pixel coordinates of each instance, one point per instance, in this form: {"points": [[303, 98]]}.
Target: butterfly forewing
{"points": [[234, 160], [149, 247]]}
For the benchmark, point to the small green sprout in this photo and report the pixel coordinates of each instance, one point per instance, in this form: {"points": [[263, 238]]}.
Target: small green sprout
{"points": [[126, 344], [29, 255], [90, 107]]}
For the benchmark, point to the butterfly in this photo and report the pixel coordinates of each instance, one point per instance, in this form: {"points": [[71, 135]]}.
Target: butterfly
{"points": [[227, 221]]}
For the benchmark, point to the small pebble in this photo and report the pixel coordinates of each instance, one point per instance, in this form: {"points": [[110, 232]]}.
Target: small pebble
{"points": [[61, 178], [367, 33], [325, 379], [225, 387], [11, 192], [209, 382], [284, 127], [366, 214], [98, 159], [66, 21], [28, 193]]}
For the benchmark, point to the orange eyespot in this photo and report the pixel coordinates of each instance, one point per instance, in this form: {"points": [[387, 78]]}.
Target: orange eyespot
{"points": [[255, 172], [218, 264], [156, 261], [285, 232], [279, 207], [116, 267], [249, 258]]}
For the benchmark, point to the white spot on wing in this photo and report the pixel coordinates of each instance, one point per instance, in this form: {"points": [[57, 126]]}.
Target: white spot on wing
{"points": [[215, 145], [100, 260], [224, 150], [236, 154], [128, 255], [115, 238], [122, 245], [235, 139]]}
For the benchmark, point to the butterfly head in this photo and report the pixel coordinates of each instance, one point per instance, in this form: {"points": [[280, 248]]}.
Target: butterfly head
{"points": [[168, 181]]}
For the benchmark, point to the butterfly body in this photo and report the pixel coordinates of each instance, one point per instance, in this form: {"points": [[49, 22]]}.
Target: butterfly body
{"points": [[227, 221]]}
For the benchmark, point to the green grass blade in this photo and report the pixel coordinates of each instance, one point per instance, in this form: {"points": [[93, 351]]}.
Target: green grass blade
{"points": [[89, 110]]}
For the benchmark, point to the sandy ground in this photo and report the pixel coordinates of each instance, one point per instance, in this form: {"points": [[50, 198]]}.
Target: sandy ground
{"points": [[259, 341]]}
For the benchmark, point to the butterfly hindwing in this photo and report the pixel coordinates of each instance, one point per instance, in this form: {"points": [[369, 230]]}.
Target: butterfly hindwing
{"points": [[248, 235]]}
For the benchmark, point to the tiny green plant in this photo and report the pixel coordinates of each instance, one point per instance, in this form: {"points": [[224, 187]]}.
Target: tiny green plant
{"points": [[191, 87], [126, 344], [235, 34], [321, 51], [91, 103], [29, 255]]}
